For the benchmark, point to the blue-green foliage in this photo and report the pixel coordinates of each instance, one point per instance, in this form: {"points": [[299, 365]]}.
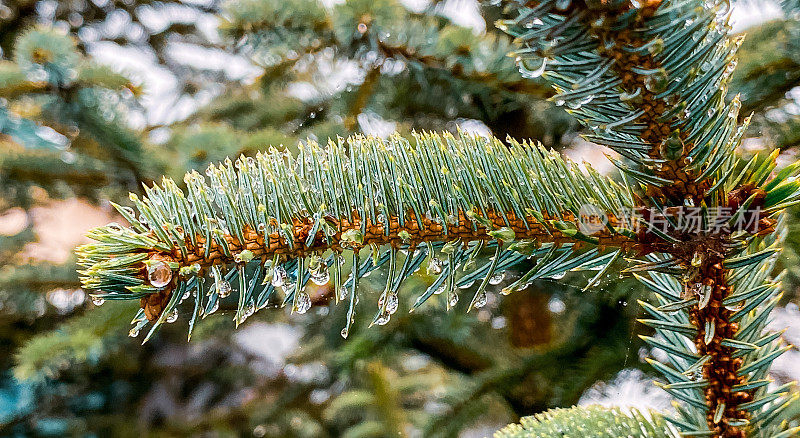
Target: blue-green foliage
{"points": [[683, 57], [86, 102], [444, 179], [688, 42]]}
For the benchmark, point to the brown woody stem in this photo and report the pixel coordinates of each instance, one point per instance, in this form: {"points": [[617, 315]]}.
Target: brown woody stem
{"points": [[722, 368], [416, 232]]}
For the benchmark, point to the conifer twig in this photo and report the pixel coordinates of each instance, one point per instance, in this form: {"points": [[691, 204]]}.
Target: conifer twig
{"points": [[292, 218], [649, 80]]}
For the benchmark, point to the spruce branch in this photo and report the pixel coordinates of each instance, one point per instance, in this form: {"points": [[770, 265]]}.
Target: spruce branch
{"points": [[73, 96], [493, 79], [382, 27], [20, 167], [277, 221], [650, 82]]}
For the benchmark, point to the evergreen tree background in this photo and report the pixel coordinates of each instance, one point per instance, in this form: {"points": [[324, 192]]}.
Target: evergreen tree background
{"points": [[77, 129]]}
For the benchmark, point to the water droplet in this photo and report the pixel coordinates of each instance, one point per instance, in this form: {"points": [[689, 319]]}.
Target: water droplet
{"points": [[383, 319], [439, 290], [303, 303], [159, 274], [186, 294], [114, 227], [342, 293], [497, 278], [694, 375], [321, 275], [731, 67], [279, 276], [98, 301], [533, 73], [657, 81], [672, 147], [250, 309], [344, 332], [434, 266], [697, 259], [466, 285], [734, 109], [172, 317], [452, 300], [288, 286], [392, 303], [657, 47], [480, 301], [223, 289], [134, 332]]}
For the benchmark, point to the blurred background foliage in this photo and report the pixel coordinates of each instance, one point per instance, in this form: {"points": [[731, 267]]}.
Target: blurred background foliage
{"points": [[100, 96]]}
